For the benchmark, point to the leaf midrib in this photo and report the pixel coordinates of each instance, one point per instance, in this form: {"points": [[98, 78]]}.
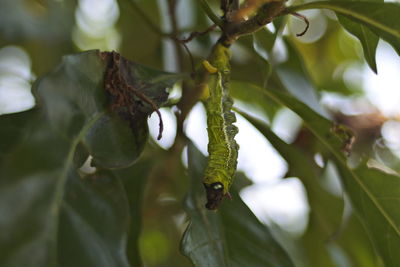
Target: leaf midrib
{"points": [[341, 160], [344, 11], [59, 192]]}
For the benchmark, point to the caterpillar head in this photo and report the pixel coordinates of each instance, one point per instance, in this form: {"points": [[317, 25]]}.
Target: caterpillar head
{"points": [[215, 194]]}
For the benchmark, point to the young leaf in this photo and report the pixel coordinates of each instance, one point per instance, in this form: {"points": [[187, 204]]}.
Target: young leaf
{"points": [[380, 18], [212, 238]]}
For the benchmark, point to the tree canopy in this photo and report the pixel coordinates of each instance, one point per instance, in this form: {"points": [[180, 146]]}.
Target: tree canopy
{"points": [[84, 182]]}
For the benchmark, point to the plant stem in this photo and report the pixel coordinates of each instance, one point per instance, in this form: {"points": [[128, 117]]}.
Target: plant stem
{"points": [[233, 30], [174, 34], [211, 15]]}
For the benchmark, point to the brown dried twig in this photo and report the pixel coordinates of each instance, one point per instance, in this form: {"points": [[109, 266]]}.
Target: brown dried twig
{"points": [[304, 18], [121, 92], [190, 38], [196, 34], [144, 98]]}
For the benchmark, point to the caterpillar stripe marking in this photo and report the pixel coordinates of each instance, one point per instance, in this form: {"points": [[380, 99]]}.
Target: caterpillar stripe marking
{"points": [[222, 147]]}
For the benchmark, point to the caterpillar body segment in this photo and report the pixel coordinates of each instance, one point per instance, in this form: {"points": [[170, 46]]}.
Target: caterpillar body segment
{"points": [[222, 147]]}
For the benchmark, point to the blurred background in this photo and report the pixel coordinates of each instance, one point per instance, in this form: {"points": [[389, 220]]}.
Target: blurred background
{"points": [[35, 34]]}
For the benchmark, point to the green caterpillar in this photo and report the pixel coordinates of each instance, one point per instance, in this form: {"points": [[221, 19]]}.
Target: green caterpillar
{"points": [[222, 147]]}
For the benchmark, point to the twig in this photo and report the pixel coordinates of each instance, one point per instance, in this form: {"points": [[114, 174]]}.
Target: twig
{"points": [[175, 33], [153, 105], [190, 38], [265, 14], [211, 15], [190, 58], [196, 34], [304, 18]]}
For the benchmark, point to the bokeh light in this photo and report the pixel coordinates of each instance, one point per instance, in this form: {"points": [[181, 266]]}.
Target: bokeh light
{"points": [[15, 80], [95, 25]]}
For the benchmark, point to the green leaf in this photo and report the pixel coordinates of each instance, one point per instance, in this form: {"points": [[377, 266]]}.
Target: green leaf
{"points": [[51, 21], [134, 180], [368, 39], [295, 78], [13, 128], [263, 42], [72, 100], [374, 194], [115, 152], [94, 222], [380, 18], [357, 245], [256, 99], [326, 209], [82, 96], [376, 197], [325, 228], [230, 237]]}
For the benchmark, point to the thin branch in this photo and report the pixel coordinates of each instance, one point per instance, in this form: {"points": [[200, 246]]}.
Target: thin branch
{"points": [[175, 33], [153, 105], [265, 15], [304, 18], [196, 34], [190, 57], [211, 15]]}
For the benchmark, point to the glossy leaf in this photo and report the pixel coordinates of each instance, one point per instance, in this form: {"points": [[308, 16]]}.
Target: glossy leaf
{"points": [[373, 193], [356, 243], [293, 75], [368, 39], [34, 175], [232, 236], [134, 180], [13, 128], [94, 222], [82, 97], [326, 228], [256, 99], [263, 43], [376, 196], [326, 209], [380, 18]]}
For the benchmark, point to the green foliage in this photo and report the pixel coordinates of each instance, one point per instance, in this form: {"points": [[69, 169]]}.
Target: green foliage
{"points": [[380, 18], [375, 205], [92, 109], [73, 110], [231, 237]]}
